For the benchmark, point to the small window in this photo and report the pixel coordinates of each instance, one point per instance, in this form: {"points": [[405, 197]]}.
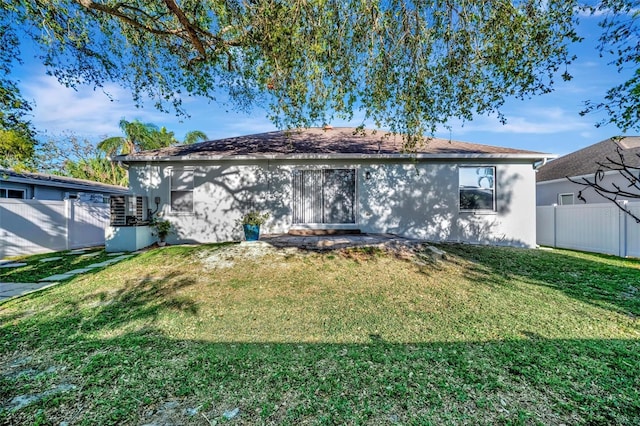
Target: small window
{"points": [[182, 190], [477, 188], [566, 199], [12, 193]]}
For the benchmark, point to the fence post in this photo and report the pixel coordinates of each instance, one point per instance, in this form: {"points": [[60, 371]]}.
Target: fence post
{"points": [[555, 222], [68, 213], [622, 251]]}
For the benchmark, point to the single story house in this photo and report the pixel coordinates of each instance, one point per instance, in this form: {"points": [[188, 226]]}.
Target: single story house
{"points": [[553, 187], [341, 178], [45, 187]]}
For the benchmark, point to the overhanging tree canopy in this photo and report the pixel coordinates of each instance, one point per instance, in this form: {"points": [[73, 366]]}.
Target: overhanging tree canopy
{"points": [[409, 65], [620, 38]]}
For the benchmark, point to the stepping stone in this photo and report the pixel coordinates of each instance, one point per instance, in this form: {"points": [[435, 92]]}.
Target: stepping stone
{"points": [[120, 253], [124, 256], [74, 253], [110, 261], [79, 271], [12, 265], [50, 259], [5, 261], [91, 254], [99, 265], [57, 277]]}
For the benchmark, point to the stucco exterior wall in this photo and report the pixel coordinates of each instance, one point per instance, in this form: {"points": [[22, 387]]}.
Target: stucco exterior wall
{"points": [[412, 199]]}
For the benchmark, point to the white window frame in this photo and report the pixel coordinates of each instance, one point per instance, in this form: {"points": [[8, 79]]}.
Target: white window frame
{"points": [[4, 193], [172, 190], [493, 209], [561, 195]]}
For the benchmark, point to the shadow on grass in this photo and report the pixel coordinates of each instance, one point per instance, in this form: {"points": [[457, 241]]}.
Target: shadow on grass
{"points": [[130, 378], [143, 376], [601, 280], [142, 299]]}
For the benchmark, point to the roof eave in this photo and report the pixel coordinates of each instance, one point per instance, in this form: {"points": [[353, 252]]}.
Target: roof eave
{"points": [[420, 156], [70, 185], [578, 177]]}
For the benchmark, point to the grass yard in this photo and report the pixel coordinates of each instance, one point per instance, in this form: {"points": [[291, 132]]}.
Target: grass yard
{"points": [[38, 267], [214, 335]]}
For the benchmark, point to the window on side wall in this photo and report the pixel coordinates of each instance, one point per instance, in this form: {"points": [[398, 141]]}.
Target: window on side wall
{"points": [[12, 193], [566, 199], [182, 190], [477, 188]]}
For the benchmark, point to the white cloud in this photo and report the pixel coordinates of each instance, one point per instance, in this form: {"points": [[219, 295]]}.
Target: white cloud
{"points": [[86, 112], [536, 121]]}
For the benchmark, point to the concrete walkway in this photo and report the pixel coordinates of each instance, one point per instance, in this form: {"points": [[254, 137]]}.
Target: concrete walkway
{"points": [[10, 290]]}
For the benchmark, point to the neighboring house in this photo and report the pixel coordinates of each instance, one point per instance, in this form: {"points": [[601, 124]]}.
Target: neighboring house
{"points": [[553, 187], [341, 178], [40, 186]]}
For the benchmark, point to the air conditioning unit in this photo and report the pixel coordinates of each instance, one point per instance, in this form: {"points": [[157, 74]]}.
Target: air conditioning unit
{"points": [[129, 210]]}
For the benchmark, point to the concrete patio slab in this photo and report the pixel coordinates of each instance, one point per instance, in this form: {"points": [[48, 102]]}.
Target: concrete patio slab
{"points": [[336, 241]]}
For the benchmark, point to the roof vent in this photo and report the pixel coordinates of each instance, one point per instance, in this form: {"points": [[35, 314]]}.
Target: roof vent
{"points": [[327, 127]]}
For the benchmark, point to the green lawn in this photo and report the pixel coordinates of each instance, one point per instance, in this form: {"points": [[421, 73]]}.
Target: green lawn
{"points": [[186, 335], [37, 266]]}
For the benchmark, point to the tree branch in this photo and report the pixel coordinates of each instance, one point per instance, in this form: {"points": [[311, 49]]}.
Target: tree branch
{"points": [[630, 173]]}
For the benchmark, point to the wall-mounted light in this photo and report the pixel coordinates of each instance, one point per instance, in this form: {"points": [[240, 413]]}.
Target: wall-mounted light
{"points": [[367, 175]]}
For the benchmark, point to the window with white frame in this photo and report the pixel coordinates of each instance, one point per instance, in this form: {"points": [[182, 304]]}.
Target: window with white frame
{"points": [[566, 199], [477, 188], [182, 190], [12, 193]]}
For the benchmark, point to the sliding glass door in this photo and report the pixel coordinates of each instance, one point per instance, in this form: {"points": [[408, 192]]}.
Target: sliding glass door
{"points": [[326, 196]]}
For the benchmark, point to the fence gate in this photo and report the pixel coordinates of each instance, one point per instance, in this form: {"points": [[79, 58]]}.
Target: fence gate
{"points": [[36, 226]]}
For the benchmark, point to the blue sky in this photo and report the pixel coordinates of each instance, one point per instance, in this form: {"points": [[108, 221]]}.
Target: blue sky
{"points": [[549, 123]]}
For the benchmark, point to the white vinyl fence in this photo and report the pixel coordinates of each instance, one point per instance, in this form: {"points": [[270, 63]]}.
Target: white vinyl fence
{"points": [[33, 226], [599, 228]]}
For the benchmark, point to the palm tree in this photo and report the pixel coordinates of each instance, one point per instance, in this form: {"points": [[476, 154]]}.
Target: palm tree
{"points": [[138, 136], [193, 137]]}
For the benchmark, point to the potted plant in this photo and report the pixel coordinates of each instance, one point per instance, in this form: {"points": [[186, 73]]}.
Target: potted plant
{"points": [[251, 222], [161, 228]]}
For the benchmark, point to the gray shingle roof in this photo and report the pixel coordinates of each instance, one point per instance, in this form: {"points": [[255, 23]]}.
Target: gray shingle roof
{"points": [[318, 141], [583, 162], [60, 181]]}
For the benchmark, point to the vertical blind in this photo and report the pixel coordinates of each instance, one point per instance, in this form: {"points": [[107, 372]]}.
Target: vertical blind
{"points": [[324, 196]]}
